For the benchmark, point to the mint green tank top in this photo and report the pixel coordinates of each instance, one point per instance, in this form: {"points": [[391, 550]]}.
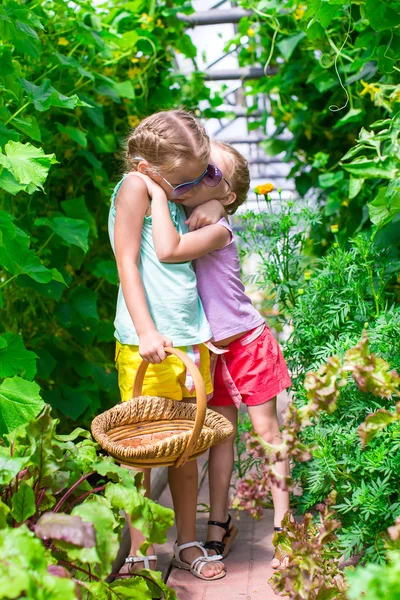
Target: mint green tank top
{"points": [[171, 289]]}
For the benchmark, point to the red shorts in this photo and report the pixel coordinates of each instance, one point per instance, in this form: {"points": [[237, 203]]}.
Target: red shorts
{"points": [[258, 370]]}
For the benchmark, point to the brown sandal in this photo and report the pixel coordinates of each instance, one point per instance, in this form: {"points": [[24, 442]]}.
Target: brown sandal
{"points": [[222, 548]]}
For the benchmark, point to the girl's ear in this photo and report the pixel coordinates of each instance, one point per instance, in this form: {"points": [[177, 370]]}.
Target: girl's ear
{"points": [[228, 199], [143, 167]]}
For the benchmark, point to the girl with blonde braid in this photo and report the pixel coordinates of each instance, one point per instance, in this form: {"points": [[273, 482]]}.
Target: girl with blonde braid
{"points": [[158, 303]]}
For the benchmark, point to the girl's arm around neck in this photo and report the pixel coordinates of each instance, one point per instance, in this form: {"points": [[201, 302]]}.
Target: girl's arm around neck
{"points": [[132, 205], [171, 247]]}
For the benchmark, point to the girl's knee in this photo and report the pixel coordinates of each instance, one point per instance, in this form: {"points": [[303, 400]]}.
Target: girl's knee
{"points": [[269, 432]]}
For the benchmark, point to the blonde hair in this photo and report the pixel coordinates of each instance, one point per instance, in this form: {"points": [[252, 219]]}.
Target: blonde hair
{"points": [[240, 177], [167, 140]]}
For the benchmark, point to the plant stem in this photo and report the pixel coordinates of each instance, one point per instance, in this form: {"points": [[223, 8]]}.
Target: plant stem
{"points": [[7, 281], [71, 489], [100, 488], [17, 113]]}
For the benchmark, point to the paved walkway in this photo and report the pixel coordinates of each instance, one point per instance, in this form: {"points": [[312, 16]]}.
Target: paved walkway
{"points": [[248, 564]]}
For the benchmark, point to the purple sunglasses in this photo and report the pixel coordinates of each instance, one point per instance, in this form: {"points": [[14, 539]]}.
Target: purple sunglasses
{"points": [[211, 177]]}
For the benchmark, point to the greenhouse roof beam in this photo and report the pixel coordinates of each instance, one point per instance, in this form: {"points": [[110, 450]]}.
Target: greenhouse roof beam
{"points": [[239, 73], [214, 17]]}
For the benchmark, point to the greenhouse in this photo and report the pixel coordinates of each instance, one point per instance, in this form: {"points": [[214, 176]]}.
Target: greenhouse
{"points": [[200, 300]]}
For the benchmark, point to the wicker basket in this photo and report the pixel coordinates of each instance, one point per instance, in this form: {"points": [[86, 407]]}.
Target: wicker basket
{"points": [[149, 431]]}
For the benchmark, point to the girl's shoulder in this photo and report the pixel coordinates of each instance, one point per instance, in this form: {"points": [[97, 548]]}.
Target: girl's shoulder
{"points": [[131, 190]]}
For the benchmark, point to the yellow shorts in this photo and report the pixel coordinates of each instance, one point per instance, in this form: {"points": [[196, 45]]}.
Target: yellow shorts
{"points": [[167, 379]]}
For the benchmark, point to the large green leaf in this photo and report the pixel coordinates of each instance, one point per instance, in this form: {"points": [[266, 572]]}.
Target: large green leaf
{"points": [[29, 126], [44, 96], [150, 518], [365, 167], [29, 165], [77, 209], [15, 359], [98, 511], [288, 45], [15, 255], [70, 61], [7, 134], [20, 402], [74, 232], [75, 134], [386, 205], [381, 15]]}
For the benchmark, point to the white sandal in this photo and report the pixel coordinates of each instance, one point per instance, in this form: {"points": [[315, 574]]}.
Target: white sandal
{"points": [[144, 559], [197, 565]]}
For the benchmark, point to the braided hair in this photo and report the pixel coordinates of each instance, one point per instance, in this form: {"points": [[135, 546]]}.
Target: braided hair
{"points": [[167, 140]]}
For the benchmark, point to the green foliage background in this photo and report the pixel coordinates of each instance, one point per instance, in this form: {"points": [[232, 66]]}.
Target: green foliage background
{"points": [[74, 78], [332, 74]]}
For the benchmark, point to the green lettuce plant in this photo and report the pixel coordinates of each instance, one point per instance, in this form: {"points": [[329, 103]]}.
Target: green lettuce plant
{"points": [[60, 517]]}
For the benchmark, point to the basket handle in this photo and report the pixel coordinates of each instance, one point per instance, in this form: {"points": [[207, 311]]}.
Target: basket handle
{"points": [[201, 397]]}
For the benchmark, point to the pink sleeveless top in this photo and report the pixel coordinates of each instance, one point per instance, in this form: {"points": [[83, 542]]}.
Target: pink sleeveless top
{"points": [[228, 310]]}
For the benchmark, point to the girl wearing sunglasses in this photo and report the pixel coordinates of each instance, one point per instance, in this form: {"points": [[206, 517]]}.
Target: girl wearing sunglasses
{"points": [[247, 362], [158, 304]]}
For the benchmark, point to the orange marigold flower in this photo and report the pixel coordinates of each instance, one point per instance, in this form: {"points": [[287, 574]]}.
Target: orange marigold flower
{"points": [[264, 189]]}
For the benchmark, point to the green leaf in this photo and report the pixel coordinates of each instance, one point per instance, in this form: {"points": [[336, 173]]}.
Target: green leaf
{"points": [[23, 569], [4, 510], [69, 61], [106, 269], [72, 402], [352, 116], [98, 511], [381, 15], [365, 167], [29, 165], [375, 423], [15, 254], [29, 126], [386, 205], [288, 44], [125, 89], [77, 209], [44, 96], [74, 232], [23, 503], [355, 186], [19, 403], [10, 466], [9, 183], [7, 134], [386, 59], [6, 66], [327, 180], [149, 517], [185, 45], [15, 359], [75, 134]]}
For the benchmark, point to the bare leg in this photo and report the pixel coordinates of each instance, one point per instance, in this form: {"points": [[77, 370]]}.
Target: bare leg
{"points": [[183, 483], [220, 467], [137, 537], [265, 423]]}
